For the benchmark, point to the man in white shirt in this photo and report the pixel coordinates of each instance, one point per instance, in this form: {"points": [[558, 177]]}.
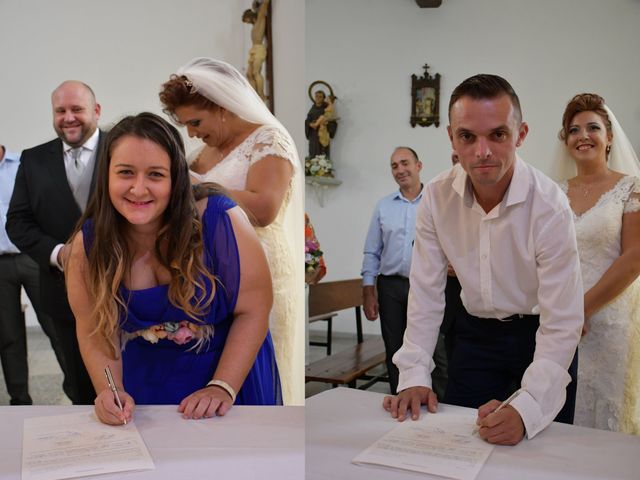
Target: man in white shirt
{"points": [[508, 232]]}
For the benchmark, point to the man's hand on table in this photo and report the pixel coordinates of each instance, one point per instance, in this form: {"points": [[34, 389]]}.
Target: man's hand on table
{"points": [[410, 399]]}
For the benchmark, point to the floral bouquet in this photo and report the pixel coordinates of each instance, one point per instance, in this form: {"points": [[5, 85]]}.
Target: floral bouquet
{"points": [[312, 256], [318, 166]]}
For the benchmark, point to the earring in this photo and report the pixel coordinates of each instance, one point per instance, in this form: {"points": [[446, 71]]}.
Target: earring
{"points": [[608, 149]]}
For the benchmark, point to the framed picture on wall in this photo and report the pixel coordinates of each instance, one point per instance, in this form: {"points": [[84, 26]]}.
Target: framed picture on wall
{"points": [[425, 99]]}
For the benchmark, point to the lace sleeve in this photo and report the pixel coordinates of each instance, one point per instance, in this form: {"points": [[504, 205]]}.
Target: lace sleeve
{"points": [[270, 141], [632, 203]]}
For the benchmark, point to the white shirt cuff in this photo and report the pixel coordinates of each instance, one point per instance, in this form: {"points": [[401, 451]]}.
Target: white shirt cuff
{"points": [[418, 376], [544, 392], [53, 259]]}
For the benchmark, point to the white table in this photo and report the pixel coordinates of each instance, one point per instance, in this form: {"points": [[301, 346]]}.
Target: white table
{"points": [[342, 422], [259, 443]]}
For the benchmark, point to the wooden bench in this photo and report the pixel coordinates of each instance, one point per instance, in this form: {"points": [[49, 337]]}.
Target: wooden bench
{"points": [[326, 317], [347, 366]]}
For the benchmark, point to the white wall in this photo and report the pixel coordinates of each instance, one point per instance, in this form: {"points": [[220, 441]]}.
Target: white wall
{"points": [[367, 50], [125, 49]]}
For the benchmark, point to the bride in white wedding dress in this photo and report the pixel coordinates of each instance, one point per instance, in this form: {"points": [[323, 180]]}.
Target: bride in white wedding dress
{"points": [[605, 198], [248, 151]]}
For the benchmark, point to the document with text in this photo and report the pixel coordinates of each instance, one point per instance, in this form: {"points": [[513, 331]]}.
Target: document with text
{"points": [[78, 445], [438, 444]]}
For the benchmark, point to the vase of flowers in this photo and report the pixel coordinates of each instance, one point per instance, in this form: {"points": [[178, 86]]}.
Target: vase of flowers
{"points": [[318, 166]]}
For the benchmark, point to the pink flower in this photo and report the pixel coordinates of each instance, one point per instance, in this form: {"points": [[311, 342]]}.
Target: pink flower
{"points": [[182, 335]]}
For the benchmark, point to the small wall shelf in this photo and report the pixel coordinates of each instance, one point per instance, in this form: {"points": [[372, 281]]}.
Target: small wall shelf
{"points": [[321, 185]]}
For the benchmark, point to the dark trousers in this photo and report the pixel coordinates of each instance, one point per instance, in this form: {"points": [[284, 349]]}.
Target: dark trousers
{"points": [[77, 383], [452, 308], [18, 271], [393, 295], [489, 358]]}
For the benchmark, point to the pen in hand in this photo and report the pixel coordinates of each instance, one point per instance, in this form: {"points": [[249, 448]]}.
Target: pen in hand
{"points": [[476, 428], [112, 386]]}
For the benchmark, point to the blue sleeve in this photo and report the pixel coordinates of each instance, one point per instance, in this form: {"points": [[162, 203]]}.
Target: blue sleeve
{"points": [[222, 249], [88, 235], [372, 249]]}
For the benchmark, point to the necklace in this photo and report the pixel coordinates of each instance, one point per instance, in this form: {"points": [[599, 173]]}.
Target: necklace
{"points": [[586, 187]]}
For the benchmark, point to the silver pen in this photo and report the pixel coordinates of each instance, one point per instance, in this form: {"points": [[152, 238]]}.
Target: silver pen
{"points": [[476, 428], [112, 386]]}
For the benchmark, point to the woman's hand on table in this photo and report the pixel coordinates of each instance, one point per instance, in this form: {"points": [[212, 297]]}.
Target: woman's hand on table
{"points": [[207, 402]]}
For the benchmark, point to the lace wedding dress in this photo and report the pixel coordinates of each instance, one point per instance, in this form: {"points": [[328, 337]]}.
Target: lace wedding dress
{"points": [[280, 240], [608, 395]]}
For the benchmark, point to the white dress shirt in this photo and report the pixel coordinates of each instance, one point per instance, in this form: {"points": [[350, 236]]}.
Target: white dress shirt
{"points": [[520, 258]]}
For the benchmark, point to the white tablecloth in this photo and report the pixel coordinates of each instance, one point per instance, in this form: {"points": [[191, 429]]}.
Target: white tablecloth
{"points": [[342, 422], [259, 443]]}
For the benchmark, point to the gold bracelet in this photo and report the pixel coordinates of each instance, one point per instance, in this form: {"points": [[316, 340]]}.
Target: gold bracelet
{"points": [[225, 386]]}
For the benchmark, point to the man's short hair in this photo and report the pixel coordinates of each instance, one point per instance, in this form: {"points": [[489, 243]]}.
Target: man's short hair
{"points": [[485, 86], [413, 152]]}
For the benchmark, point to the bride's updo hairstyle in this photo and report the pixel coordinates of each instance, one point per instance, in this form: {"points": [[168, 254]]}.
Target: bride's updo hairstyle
{"points": [[178, 92], [584, 102]]}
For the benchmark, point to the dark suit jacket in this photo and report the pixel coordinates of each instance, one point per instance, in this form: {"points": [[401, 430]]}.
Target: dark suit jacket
{"points": [[42, 214]]}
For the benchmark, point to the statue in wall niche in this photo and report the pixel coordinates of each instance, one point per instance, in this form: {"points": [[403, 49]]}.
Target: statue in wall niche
{"points": [[321, 123], [257, 15]]}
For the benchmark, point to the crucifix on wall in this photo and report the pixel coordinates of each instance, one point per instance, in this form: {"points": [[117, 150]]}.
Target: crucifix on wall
{"points": [[260, 61]]}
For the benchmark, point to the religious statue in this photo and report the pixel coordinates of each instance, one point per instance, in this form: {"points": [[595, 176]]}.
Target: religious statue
{"points": [[321, 123], [257, 15]]}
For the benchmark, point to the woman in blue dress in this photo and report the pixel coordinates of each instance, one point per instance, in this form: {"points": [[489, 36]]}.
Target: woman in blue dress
{"points": [[171, 293]]}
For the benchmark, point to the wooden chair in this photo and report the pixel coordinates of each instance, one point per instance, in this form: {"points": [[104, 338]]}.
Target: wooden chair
{"points": [[347, 366]]}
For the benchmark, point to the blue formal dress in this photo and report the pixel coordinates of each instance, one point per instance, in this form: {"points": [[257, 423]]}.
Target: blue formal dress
{"points": [[166, 372]]}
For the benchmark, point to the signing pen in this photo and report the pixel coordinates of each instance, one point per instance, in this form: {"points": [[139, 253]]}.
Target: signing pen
{"points": [[112, 386]]}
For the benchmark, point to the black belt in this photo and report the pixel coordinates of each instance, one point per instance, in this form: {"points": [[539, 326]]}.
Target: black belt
{"points": [[515, 316], [400, 277], [522, 316]]}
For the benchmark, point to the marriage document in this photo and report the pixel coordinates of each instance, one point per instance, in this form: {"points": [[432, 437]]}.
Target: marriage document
{"points": [[439, 444], [77, 445]]}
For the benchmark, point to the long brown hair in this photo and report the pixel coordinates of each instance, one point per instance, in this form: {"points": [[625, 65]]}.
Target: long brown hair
{"points": [[179, 243]]}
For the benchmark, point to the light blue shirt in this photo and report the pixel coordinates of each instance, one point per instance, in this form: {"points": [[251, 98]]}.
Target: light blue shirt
{"points": [[8, 169], [387, 249]]}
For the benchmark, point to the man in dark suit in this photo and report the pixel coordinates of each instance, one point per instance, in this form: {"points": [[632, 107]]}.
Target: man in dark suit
{"points": [[51, 191]]}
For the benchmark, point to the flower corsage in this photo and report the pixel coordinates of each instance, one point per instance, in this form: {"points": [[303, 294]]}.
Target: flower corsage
{"points": [[179, 332]]}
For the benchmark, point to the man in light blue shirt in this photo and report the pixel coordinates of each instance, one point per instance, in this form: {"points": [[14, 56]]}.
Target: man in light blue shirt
{"points": [[387, 254], [17, 270]]}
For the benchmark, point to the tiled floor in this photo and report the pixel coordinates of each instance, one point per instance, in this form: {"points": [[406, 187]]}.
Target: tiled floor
{"points": [[45, 376], [340, 341]]}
